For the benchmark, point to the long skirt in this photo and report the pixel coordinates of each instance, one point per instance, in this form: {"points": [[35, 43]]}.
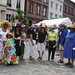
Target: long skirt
{"points": [[18, 48], [22, 51]]}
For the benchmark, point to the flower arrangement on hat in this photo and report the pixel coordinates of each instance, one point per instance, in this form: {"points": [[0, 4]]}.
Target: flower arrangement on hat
{"points": [[53, 26], [7, 23], [43, 25], [10, 33]]}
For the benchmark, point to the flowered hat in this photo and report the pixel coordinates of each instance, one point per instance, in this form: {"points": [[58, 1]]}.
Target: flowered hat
{"points": [[7, 23], [62, 25], [23, 25], [53, 26], [72, 26], [43, 25], [10, 33]]}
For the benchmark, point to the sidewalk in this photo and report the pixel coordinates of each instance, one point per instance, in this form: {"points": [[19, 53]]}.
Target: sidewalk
{"points": [[36, 67]]}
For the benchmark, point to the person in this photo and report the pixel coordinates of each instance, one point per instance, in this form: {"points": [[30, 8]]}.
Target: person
{"points": [[52, 43], [9, 56], [3, 32], [29, 31], [32, 43], [42, 38], [16, 36], [22, 43], [62, 35], [69, 47]]}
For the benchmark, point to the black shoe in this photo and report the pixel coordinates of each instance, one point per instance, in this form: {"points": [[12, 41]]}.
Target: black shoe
{"points": [[60, 61]]}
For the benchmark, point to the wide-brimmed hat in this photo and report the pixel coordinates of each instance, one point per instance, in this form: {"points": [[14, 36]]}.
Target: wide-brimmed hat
{"points": [[53, 26], [43, 25], [71, 27], [63, 25], [6, 23]]}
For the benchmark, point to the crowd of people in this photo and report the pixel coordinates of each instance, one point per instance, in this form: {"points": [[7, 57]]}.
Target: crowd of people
{"points": [[12, 43]]}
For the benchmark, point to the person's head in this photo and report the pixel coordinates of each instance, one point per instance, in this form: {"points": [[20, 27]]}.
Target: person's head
{"points": [[5, 25], [9, 35], [52, 29], [17, 28], [29, 27], [42, 29], [72, 28], [62, 26], [23, 29]]}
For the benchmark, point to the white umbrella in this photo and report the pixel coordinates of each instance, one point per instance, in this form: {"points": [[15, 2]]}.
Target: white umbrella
{"points": [[51, 22]]}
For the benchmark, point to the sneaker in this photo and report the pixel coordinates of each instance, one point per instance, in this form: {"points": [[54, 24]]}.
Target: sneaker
{"points": [[71, 66], [68, 64]]}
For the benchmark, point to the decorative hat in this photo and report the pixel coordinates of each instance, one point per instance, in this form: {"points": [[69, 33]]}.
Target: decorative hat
{"points": [[10, 33], [23, 25], [72, 26], [43, 25], [62, 25], [53, 26], [7, 23]]}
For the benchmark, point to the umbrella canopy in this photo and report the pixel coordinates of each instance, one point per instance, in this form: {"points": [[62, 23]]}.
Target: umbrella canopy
{"points": [[51, 22]]}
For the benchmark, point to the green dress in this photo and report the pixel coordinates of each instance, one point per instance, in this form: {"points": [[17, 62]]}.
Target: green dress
{"points": [[22, 46]]}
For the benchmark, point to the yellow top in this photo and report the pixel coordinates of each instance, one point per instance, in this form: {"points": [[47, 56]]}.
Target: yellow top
{"points": [[52, 36]]}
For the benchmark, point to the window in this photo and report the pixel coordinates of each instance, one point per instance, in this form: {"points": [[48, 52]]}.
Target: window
{"points": [[65, 9], [44, 12], [69, 10], [38, 10], [51, 15], [31, 8], [52, 4], [56, 6], [8, 17], [60, 7], [56, 15], [18, 4], [9, 3], [45, 1], [72, 11]]}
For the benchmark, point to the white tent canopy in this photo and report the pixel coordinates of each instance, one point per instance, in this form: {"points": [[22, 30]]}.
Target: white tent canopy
{"points": [[51, 22]]}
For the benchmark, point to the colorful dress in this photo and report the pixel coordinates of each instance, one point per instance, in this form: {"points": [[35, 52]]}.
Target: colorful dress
{"points": [[69, 48], [9, 56]]}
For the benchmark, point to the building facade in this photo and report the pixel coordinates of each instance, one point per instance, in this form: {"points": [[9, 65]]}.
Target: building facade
{"points": [[69, 10], [36, 10], [55, 9], [9, 7]]}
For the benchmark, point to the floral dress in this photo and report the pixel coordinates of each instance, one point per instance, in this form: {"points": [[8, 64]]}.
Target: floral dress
{"points": [[9, 55]]}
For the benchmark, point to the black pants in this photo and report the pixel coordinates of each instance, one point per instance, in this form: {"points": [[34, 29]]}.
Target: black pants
{"points": [[51, 49]]}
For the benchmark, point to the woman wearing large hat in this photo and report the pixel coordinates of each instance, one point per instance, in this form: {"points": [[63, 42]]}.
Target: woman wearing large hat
{"points": [[42, 38], [16, 36], [52, 42], [3, 32], [69, 48]]}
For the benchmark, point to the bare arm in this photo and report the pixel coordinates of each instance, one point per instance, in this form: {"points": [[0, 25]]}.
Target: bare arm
{"points": [[14, 36], [31, 39]]}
